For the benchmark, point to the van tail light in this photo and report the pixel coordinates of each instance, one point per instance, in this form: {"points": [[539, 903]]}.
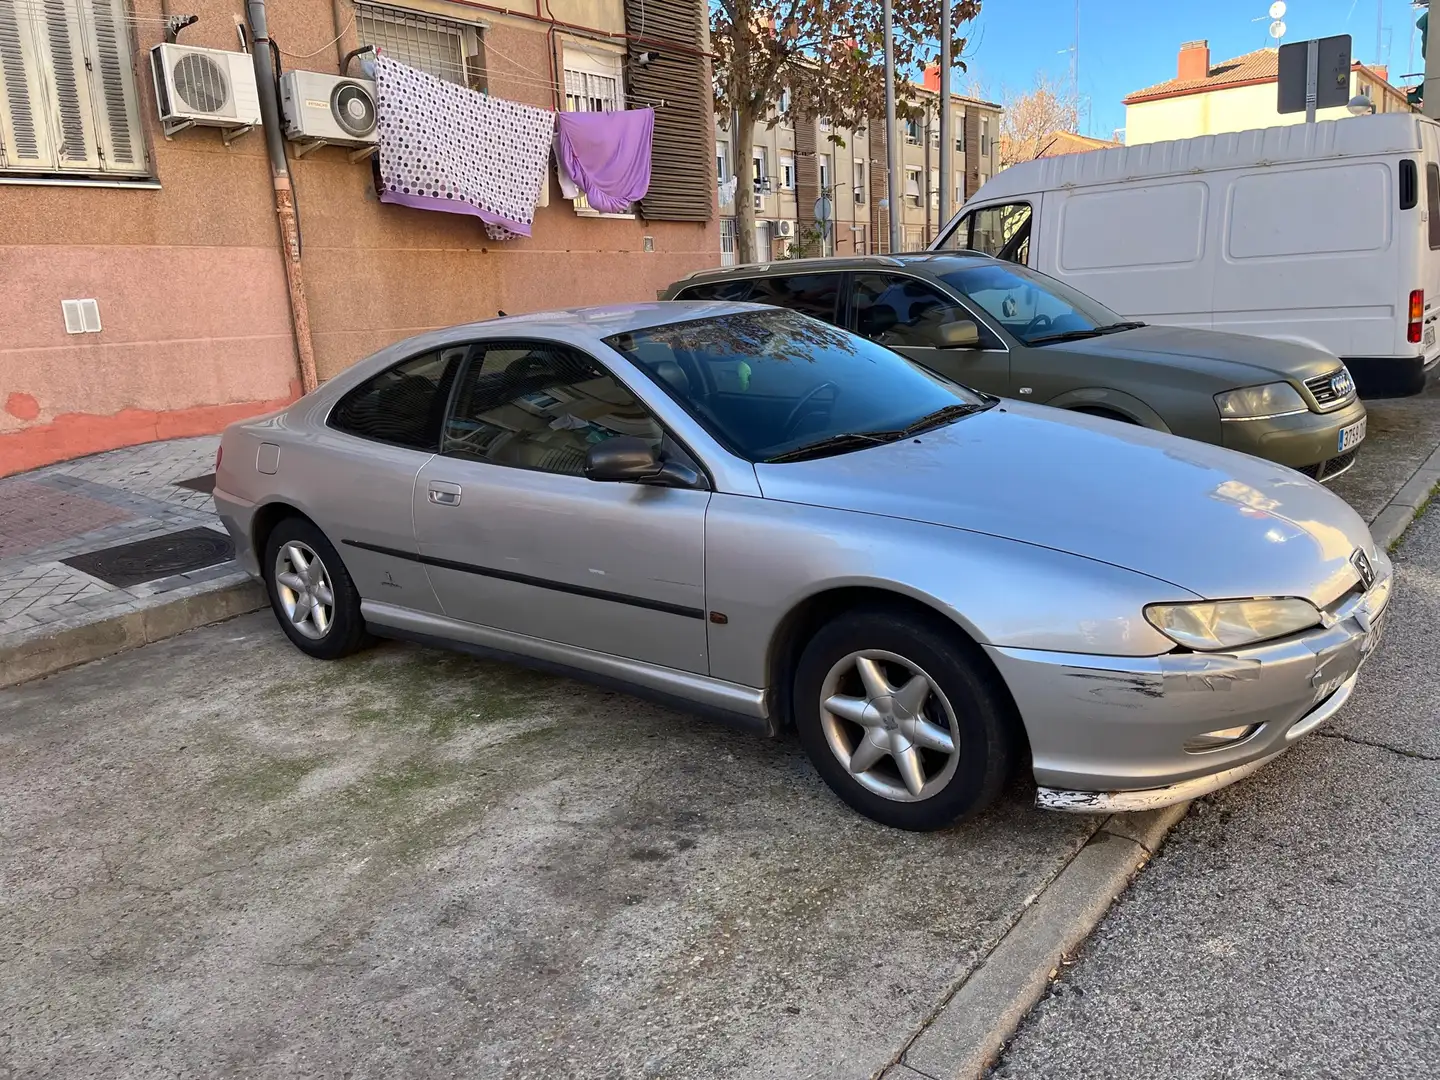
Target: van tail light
{"points": [[1415, 330]]}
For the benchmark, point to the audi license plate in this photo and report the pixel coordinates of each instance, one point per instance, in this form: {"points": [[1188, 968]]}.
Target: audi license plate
{"points": [[1352, 436]]}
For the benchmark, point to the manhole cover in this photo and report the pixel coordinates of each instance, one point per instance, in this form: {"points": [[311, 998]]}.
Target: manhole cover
{"points": [[204, 483], [158, 557]]}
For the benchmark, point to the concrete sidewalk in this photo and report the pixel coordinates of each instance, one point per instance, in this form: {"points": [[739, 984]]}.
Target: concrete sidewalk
{"points": [[72, 588], [1289, 928]]}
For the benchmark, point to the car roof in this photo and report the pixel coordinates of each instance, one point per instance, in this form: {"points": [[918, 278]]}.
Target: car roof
{"points": [[931, 262]]}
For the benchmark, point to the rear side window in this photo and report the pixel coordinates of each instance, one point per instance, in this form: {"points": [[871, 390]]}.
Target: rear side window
{"points": [[717, 290], [405, 404], [1432, 203], [816, 295]]}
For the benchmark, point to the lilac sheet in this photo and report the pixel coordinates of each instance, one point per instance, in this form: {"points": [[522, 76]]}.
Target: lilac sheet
{"points": [[607, 155]]}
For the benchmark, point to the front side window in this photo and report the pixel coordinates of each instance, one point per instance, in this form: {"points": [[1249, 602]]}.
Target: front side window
{"points": [[445, 48], [765, 383], [404, 404], [1002, 231], [68, 102], [904, 312], [539, 406], [1028, 304], [812, 294]]}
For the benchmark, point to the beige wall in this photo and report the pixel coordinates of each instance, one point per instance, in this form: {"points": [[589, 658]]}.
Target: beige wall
{"points": [[1238, 108], [189, 277]]}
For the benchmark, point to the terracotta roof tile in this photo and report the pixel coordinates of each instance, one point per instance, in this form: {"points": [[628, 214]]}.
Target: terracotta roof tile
{"points": [[1260, 64]]}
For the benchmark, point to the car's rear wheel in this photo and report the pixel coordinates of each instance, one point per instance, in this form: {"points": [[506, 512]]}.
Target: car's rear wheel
{"points": [[902, 720], [311, 592]]}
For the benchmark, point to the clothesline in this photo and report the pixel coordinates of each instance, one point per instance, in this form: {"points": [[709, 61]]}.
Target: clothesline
{"points": [[487, 72]]}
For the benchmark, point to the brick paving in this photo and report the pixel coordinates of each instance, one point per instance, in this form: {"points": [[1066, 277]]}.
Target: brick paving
{"points": [[86, 505]]}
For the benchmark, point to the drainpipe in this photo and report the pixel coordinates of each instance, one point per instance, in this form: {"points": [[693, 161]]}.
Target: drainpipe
{"points": [[284, 194]]}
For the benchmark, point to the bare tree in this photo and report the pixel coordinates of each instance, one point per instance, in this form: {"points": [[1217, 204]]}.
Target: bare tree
{"points": [[1030, 118], [828, 54]]}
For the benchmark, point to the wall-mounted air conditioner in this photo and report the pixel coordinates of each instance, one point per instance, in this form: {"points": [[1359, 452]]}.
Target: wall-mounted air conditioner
{"points": [[784, 228], [205, 87], [759, 203], [327, 110]]}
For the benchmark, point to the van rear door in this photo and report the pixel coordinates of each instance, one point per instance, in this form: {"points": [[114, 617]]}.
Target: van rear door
{"points": [[1423, 268]]}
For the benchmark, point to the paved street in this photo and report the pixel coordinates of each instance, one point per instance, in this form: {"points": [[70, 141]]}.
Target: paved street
{"points": [[1291, 925]]}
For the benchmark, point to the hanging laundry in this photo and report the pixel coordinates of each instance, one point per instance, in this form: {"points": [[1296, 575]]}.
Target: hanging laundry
{"points": [[727, 191], [444, 147], [606, 155]]}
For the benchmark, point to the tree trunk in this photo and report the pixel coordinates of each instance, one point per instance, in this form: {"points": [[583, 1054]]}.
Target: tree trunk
{"points": [[743, 136]]}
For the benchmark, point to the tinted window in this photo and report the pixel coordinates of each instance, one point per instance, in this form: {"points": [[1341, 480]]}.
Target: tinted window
{"points": [[766, 382], [404, 404], [904, 312], [1028, 304], [1432, 203], [811, 294], [717, 290], [539, 406]]}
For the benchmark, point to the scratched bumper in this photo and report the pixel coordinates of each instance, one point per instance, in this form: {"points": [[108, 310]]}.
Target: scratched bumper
{"points": [[1109, 733]]}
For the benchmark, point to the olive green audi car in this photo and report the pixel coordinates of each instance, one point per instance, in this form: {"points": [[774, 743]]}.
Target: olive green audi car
{"points": [[1013, 332]]}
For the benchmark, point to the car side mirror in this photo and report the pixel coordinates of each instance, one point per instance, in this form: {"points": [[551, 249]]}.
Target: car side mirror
{"points": [[959, 334], [625, 459]]}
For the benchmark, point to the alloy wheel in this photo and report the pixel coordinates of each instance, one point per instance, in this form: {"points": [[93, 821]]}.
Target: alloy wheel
{"points": [[890, 725], [304, 589]]}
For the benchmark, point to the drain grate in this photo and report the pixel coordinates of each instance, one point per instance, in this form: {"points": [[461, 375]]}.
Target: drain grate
{"points": [[158, 557], [204, 483]]}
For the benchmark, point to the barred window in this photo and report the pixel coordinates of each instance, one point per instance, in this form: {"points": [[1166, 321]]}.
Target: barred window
{"points": [[592, 84], [445, 48], [68, 102]]}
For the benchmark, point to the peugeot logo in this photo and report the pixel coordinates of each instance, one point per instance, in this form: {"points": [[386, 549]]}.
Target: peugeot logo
{"points": [[1341, 385], [1363, 568]]}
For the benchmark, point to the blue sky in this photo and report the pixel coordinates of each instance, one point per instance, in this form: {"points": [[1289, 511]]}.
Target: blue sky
{"points": [[1128, 44]]}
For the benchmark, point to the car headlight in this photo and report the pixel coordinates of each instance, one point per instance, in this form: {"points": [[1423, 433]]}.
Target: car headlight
{"points": [[1272, 399], [1231, 624]]}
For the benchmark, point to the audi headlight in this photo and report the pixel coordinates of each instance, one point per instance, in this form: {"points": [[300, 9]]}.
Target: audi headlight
{"points": [[1272, 399], [1231, 624]]}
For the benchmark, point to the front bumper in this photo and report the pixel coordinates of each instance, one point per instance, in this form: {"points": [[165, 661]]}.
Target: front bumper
{"points": [[1301, 441], [1109, 733]]}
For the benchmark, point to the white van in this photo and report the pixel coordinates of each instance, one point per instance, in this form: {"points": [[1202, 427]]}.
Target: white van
{"points": [[1326, 234]]}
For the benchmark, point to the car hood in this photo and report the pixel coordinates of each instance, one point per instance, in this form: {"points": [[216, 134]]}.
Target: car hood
{"points": [[1236, 359], [1215, 522]]}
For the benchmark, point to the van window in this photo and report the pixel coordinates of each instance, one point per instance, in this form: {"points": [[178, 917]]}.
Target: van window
{"points": [[1160, 225], [1432, 203], [1002, 231], [1275, 213], [1409, 185]]}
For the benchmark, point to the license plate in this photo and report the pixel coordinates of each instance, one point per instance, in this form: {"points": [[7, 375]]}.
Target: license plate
{"points": [[1352, 436], [1372, 639], [1429, 337]]}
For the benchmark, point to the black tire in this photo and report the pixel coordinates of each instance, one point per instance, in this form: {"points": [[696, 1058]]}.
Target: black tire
{"points": [[345, 632], [987, 725], [1107, 414]]}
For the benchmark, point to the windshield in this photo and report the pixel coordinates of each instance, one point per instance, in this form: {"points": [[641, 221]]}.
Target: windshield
{"points": [[1029, 305], [768, 382]]}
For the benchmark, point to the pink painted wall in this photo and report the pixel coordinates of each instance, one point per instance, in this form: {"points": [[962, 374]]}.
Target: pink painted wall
{"points": [[190, 284]]}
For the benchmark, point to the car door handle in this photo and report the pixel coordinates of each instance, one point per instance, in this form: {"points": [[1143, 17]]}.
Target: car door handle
{"points": [[443, 494]]}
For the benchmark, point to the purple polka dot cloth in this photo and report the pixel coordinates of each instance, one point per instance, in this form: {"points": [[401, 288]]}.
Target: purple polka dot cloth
{"points": [[444, 147]]}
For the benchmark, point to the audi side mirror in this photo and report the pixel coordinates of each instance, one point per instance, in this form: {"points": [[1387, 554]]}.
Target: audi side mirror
{"points": [[960, 334]]}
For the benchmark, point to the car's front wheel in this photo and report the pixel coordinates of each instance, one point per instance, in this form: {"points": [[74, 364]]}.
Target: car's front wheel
{"points": [[311, 592], [901, 720]]}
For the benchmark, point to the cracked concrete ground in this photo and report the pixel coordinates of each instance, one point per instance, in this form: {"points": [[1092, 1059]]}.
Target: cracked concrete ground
{"points": [[1291, 925], [219, 858]]}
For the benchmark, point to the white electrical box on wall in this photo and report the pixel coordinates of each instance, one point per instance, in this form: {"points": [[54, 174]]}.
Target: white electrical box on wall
{"points": [[81, 316]]}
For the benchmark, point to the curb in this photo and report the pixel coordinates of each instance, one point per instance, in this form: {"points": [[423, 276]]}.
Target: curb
{"points": [[1390, 524], [43, 656], [968, 1030]]}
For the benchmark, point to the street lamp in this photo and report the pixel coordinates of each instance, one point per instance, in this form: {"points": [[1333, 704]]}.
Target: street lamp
{"points": [[1360, 105]]}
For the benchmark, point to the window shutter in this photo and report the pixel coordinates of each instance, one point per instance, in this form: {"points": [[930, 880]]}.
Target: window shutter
{"points": [[112, 86], [680, 182], [72, 122], [24, 129]]}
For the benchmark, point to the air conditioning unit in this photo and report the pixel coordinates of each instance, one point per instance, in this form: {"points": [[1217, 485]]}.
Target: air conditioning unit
{"points": [[784, 228], [759, 203], [328, 109], [859, 195], [205, 87]]}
